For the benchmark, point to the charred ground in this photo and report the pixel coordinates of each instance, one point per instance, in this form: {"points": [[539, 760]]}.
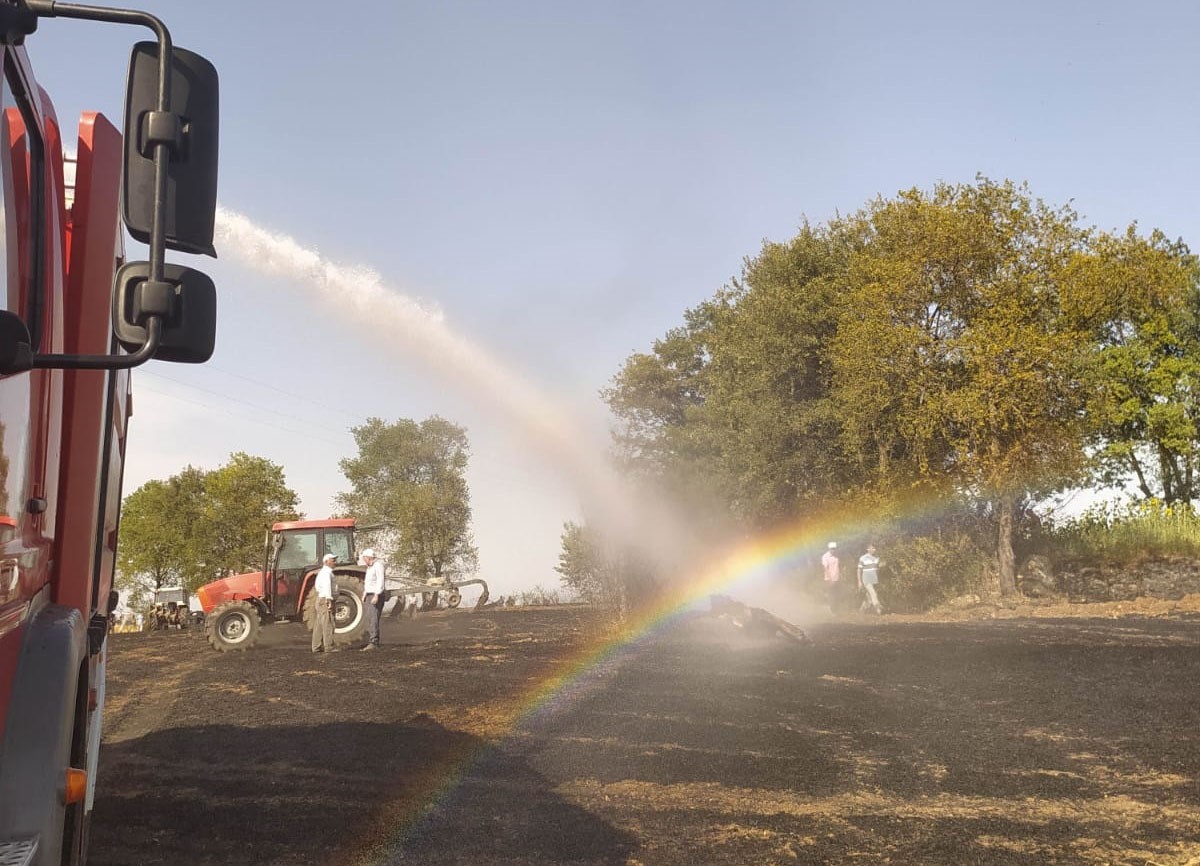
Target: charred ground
{"points": [[1009, 741]]}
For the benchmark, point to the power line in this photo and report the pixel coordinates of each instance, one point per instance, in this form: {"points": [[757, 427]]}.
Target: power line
{"points": [[480, 470], [226, 410], [273, 387], [255, 406], [477, 470]]}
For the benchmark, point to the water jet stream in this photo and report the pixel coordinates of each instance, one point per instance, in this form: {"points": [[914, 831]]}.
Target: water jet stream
{"points": [[360, 296]]}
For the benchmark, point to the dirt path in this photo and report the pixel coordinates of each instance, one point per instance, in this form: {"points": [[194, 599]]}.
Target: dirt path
{"points": [[1014, 741]]}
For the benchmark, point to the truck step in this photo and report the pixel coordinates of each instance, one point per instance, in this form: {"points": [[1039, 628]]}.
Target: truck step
{"points": [[18, 852]]}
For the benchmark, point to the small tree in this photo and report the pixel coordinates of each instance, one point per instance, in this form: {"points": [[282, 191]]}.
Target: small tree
{"points": [[159, 521], [602, 572], [412, 477]]}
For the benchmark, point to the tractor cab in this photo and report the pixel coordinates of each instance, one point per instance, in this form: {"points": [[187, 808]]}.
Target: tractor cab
{"points": [[294, 552]]}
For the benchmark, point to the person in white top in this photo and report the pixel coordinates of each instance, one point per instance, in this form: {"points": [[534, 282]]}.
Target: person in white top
{"points": [[868, 576], [373, 588], [325, 586]]}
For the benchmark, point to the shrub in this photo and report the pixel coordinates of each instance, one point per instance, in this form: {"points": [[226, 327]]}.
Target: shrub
{"points": [[539, 596], [924, 571], [601, 571], [1129, 532]]}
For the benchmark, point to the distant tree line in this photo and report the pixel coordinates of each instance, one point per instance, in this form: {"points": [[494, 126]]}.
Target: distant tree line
{"points": [[939, 360]]}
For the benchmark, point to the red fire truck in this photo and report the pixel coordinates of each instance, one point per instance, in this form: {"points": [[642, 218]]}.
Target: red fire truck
{"points": [[75, 318]]}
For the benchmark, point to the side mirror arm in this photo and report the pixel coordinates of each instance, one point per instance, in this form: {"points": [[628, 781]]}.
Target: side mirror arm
{"points": [[21, 358], [154, 327]]}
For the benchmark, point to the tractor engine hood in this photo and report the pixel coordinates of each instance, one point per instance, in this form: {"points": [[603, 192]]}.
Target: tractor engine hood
{"points": [[248, 585]]}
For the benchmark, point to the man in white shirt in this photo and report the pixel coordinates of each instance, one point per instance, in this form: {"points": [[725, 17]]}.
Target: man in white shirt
{"points": [[325, 587], [868, 576], [373, 587]]}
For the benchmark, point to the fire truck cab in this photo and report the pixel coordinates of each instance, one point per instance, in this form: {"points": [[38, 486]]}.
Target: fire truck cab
{"points": [[74, 318]]}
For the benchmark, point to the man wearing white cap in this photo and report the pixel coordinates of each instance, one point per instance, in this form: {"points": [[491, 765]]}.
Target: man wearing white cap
{"points": [[373, 586], [323, 586], [832, 572]]}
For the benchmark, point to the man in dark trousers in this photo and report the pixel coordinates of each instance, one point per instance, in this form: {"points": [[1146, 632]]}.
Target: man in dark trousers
{"points": [[373, 589]]}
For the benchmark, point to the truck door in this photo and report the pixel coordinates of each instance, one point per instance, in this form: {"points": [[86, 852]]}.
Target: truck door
{"points": [[297, 557]]}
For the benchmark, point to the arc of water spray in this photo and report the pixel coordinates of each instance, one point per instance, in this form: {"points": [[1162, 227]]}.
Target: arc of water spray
{"points": [[361, 296]]}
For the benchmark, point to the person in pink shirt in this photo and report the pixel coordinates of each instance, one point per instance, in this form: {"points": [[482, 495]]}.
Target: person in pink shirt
{"points": [[831, 569]]}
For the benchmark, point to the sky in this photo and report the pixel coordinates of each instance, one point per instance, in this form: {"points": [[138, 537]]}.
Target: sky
{"points": [[560, 181]]}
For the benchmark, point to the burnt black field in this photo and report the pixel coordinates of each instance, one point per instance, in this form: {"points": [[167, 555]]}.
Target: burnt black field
{"points": [[1068, 741]]}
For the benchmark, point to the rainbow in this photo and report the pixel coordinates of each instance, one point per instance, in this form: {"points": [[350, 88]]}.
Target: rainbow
{"points": [[741, 569]]}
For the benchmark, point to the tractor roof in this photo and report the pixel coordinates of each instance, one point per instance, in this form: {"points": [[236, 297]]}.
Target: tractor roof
{"points": [[332, 523]]}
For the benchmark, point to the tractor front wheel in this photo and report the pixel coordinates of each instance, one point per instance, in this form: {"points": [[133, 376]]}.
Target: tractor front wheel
{"points": [[233, 625]]}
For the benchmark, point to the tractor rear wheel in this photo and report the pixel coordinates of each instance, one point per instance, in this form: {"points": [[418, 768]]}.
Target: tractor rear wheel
{"points": [[233, 625], [349, 611]]}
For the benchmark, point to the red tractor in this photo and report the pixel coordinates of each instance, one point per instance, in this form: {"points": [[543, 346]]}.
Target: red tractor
{"points": [[236, 607]]}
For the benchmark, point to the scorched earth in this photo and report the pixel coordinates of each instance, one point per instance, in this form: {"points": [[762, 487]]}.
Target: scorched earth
{"points": [[469, 739]]}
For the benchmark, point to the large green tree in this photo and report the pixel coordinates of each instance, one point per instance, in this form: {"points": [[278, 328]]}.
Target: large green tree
{"points": [[1140, 296], [733, 406], [954, 363], [767, 411], [199, 525], [241, 499], [411, 477]]}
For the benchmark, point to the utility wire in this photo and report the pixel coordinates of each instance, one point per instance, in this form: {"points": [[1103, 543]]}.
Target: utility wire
{"points": [[306, 421], [272, 387], [257, 420], [478, 469]]}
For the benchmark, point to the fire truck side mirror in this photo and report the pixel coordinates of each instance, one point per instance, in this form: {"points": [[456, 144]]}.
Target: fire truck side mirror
{"points": [[191, 130], [190, 328]]}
